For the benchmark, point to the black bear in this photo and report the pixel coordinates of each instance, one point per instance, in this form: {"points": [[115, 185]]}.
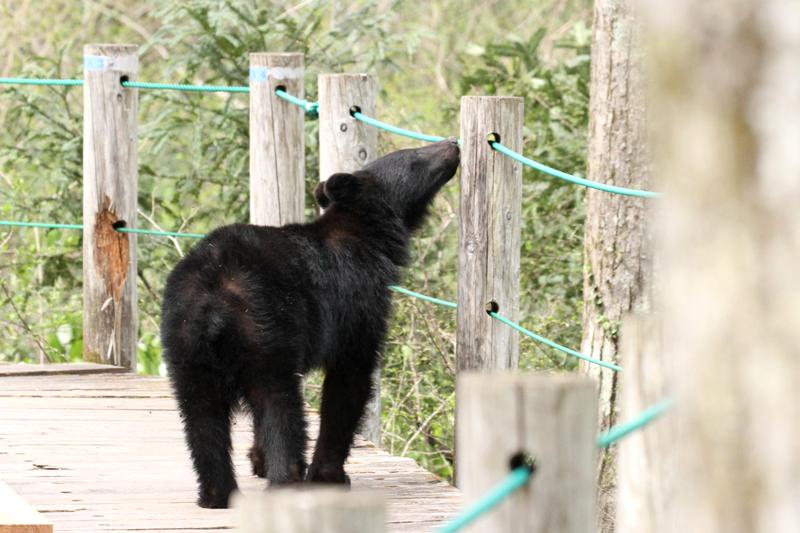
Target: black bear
{"points": [[250, 309]]}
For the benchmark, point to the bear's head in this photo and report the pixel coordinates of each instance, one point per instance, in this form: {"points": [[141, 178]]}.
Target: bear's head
{"points": [[401, 184]]}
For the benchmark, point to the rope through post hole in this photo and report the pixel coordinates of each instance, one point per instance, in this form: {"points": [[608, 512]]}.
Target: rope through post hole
{"points": [[312, 108], [517, 479], [514, 325], [54, 225], [356, 113], [569, 177], [552, 344]]}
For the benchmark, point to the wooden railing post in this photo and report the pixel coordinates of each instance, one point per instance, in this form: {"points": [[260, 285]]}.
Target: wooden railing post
{"points": [[551, 419], [489, 244], [110, 174], [345, 145], [277, 141], [312, 511]]}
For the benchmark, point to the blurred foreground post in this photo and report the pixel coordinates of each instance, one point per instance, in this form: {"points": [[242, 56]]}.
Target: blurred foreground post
{"points": [[554, 420], [644, 458], [346, 145], [110, 174], [311, 510], [726, 108]]}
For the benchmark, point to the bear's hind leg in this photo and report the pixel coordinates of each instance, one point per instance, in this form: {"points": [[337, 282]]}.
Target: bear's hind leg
{"points": [[258, 452], [206, 406], [280, 430]]}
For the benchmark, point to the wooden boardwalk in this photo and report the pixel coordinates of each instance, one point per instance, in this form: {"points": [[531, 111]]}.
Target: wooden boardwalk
{"points": [[105, 452]]}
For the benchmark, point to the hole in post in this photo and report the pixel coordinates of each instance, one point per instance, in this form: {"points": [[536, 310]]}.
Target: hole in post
{"points": [[123, 80], [119, 224], [492, 138], [492, 307], [354, 109], [280, 88], [522, 459]]}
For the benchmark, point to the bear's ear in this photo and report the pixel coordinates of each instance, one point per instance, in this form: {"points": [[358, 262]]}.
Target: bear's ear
{"points": [[338, 188], [320, 196]]}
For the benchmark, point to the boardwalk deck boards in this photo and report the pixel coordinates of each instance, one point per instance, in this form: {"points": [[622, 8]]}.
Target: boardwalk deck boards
{"points": [[105, 452]]}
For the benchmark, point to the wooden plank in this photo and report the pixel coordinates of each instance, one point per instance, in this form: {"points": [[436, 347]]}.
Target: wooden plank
{"points": [[91, 463], [110, 174], [277, 140], [489, 243], [25, 369], [346, 145], [16, 516], [554, 420]]}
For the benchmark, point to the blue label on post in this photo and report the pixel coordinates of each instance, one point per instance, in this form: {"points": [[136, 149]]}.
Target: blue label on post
{"points": [[95, 63], [258, 74]]}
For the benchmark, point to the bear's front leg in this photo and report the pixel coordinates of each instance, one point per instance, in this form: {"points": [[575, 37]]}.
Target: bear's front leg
{"points": [[345, 393]]}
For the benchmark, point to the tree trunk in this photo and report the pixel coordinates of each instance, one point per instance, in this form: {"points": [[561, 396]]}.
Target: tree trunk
{"points": [[726, 108], [617, 258]]}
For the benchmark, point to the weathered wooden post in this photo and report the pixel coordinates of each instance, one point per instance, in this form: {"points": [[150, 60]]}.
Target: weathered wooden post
{"points": [[277, 141], [312, 511], [552, 419], [489, 244], [345, 145], [110, 177]]}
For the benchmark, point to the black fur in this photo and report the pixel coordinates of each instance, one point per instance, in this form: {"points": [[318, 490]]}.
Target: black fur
{"points": [[250, 309]]}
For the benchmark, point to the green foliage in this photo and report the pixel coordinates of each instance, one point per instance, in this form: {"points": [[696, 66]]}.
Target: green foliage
{"points": [[193, 172]]}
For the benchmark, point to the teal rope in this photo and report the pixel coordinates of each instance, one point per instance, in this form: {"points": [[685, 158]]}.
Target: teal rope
{"points": [[514, 325], [189, 88], [39, 81], [569, 177], [645, 417], [394, 129], [47, 225], [517, 479], [552, 344], [312, 108], [430, 299], [52, 225], [161, 233], [133, 85]]}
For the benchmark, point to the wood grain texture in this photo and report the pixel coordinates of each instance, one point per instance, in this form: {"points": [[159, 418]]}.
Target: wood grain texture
{"points": [[489, 245], [110, 184], [16, 516], [322, 510], [617, 243], [726, 102], [277, 141], [551, 418], [345, 145], [106, 453]]}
